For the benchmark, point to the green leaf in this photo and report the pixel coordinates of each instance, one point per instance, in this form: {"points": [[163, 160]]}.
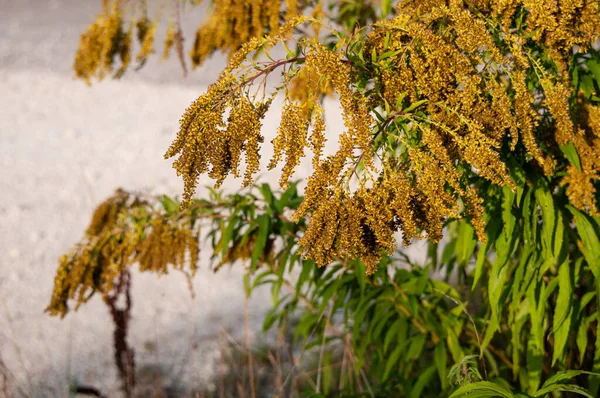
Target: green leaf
{"points": [[575, 79], [261, 240], [394, 332], [566, 375], [585, 300], [552, 228], [414, 106], [562, 312], [594, 67], [422, 381], [565, 388], [306, 324], [496, 285], [518, 322], [389, 54], [227, 234], [494, 226], [587, 85], [170, 206], [506, 241], [535, 361], [508, 218], [285, 197], [265, 189], [275, 313], [380, 319], [529, 220], [465, 242], [482, 389], [361, 275], [416, 285], [571, 154], [307, 267], [386, 8], [594, 382], [518, 175], [393, 359], [327, 373], [441, 357], [448, 252], [416, 346], [454, 346], [582, 336], [260, 279], [535, 345], [588, 228]]}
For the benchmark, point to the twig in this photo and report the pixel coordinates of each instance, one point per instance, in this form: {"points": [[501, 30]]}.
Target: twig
{"points": [[280, 343], [267, 70], [179, 38], [124, 354], [343, 369], [383, 126], [249, 352]]}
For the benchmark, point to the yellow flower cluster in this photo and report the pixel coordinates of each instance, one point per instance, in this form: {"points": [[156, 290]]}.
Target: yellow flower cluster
{"points": [[169, 41], [476, 90], [108, 37], [209, 144], [146, 31], [451, 85], [362, 225], [305, 84], [167, 244], [124, 230], [580, 184], [291, 139], [101, 43], [232, 23]]}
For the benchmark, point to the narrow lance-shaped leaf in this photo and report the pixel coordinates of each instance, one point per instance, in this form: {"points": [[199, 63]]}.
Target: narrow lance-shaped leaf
{"points": [[465, 242], [588, 229], [552, 227], [499, 273], [571, 154], [482, 389], [261, 240], [440, 358], [422, 381], [535, 344], [562, 312], [563, 388]]}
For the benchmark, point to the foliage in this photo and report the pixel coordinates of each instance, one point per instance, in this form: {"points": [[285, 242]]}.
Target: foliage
{"points": [[473, 121]]}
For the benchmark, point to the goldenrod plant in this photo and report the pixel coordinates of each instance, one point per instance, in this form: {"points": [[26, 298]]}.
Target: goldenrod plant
{"points": [[476, 122]]}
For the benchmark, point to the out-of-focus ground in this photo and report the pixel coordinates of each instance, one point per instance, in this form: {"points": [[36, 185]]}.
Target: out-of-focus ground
{"points": [[64, 147]]}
